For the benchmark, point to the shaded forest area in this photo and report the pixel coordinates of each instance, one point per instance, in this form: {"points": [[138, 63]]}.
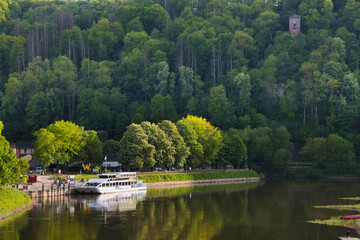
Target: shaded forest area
{"points": [[107, 64]]}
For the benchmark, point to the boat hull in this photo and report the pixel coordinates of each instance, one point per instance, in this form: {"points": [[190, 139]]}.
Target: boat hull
{"points": [[95, 190]]}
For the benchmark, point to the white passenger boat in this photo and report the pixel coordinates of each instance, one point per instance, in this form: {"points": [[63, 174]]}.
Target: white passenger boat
{"points": [[117, 182]]}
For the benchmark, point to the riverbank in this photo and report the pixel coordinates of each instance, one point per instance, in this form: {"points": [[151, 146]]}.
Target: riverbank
{"points": [[12, 201]]}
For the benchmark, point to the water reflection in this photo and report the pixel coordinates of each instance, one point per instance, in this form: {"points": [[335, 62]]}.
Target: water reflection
{"points": [[111, 202], [272, 211]]}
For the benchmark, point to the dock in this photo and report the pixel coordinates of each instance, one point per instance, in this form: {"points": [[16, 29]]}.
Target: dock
{"points": [[45, 190]]}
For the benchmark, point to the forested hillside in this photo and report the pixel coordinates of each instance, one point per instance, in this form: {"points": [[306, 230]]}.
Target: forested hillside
{"points": [[105, 64]]}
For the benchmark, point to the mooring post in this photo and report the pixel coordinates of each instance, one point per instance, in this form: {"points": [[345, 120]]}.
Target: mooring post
{"points": [[63, 189], [42, 188], [58, 186], [52, 189]]}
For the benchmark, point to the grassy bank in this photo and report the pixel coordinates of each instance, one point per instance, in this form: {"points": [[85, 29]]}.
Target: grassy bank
{"points": [[11, 201], [186, 176]]}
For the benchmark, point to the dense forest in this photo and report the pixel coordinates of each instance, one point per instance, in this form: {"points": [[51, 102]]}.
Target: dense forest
{"points": [[104, 64]]}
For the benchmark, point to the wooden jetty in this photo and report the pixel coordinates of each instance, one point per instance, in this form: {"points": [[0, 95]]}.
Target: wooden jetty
{"points": [[45, 191]]}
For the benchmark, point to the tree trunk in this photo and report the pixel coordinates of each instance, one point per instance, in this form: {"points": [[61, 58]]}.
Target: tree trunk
{"points": [[316, 116], [214, 65], [304, 121]]}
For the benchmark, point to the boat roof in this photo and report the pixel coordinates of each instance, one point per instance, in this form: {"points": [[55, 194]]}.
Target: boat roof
{"points": [[118, 174], [97, 180]]}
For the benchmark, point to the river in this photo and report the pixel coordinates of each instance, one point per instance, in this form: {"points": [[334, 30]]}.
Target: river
{"points": [[271, 210]]}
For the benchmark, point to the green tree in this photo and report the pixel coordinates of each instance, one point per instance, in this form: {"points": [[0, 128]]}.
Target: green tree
{"points": [[233, 150], [37, 112], [315, 150], [258, 144], [111, 146], [243, 87], [164, 150], [265, 26], [340, 154], [190, 138], [157, 108], [10, 167], [62, 78], [241, 45], [135, 151], [4, 8], [59, 143], [181, 150], [220, 109], [208, 136], [91, 152], [350, 89], [280, 150], [280, 160]]}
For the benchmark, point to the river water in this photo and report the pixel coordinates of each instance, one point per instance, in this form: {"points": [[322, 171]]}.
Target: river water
{"points": [[271, 210]]}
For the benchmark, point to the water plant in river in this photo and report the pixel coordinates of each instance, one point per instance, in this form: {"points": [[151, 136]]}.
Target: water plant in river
{"points": [[355, 207], [336, 221]]}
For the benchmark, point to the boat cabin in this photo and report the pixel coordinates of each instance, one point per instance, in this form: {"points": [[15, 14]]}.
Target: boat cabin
{"points": [[117, 180]]}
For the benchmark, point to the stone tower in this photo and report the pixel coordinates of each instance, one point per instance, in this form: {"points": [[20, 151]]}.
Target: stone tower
{"points": [[294, 24]]}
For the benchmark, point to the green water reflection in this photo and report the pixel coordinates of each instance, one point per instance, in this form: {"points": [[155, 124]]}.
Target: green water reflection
{"points": [[271, 210]]}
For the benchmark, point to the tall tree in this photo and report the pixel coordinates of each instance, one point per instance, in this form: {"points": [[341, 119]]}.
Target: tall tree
{"points": [[58, 143], [208, 136], [10, 167], [181, 150], [221, 110], [135, 151], [164, 150]]}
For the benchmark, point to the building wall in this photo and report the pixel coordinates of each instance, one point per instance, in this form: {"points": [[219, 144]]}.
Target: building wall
{"points": [[294, 25]]}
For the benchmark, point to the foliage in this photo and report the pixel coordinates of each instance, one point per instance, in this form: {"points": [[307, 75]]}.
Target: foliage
{"points": [[59, 142], [111, 146], [91, 152], [181, 150], [207, 135], [334, 153], [164, 150], [135, 151], [107, 64], [233, 150], [10, 167]]}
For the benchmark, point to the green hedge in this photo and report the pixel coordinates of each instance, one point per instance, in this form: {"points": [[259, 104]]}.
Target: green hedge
{"points": [[12, 199], [164, 177]]}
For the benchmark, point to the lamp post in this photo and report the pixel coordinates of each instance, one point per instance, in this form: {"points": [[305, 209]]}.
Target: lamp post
{"points": [[105, 158]]}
